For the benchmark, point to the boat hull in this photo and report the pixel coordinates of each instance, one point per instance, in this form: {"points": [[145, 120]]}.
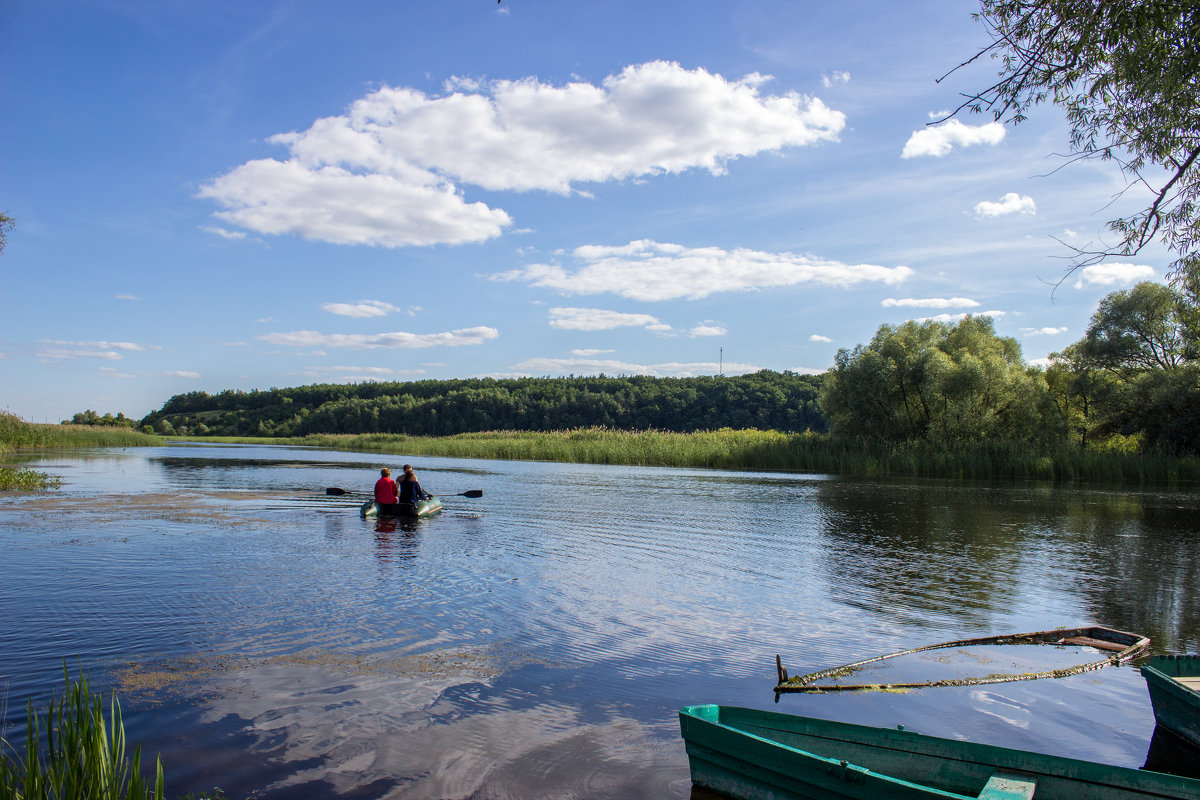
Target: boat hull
{"points": [[761, 755], [1174, 685], [411, 510]]}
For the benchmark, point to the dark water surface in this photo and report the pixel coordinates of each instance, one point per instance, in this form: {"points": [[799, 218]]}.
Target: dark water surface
{"points": [[538, 642]]}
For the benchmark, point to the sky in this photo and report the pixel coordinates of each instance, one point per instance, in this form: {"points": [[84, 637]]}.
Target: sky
{"points": [[232, 195]]}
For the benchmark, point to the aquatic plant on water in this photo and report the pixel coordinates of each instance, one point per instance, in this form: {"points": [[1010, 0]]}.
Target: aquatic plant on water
{"points": [[85, 754], [27, 479]]}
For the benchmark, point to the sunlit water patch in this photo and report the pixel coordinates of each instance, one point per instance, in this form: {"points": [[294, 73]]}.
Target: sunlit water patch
{"points": [[538, 641]]}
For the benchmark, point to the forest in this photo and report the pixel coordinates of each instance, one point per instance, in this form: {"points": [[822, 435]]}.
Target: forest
{"points": [[783, 401]]}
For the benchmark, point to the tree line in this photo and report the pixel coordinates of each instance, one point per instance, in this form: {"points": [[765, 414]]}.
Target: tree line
{"points": [[767, 400]]}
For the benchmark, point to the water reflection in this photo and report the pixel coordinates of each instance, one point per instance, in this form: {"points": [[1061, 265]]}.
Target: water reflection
{"points": [[538, 641]]}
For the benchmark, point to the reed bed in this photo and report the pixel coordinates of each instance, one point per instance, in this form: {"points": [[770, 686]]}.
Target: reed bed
{"points": [[793, 452], [16, 434], [86, 755]]}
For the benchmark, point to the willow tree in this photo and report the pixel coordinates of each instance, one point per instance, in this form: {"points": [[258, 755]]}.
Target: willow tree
{"points": [[937, 382], [1127, 74]]}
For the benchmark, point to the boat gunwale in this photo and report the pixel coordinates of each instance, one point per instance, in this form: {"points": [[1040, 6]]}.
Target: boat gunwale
{"points": [[1000, 759], [1126, 645]]}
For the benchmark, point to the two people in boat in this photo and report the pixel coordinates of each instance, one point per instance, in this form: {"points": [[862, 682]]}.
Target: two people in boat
{"points": [[407, 491]]}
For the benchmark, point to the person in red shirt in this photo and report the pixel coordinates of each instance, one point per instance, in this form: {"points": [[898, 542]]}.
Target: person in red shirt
{"points": [[386, 490]]}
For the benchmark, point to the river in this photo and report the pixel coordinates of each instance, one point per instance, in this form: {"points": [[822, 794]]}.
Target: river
{"points": [[539, 641]]}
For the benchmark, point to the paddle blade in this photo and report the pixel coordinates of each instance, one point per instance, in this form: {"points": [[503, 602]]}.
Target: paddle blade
{"points": [[472, 493], [335, 490]]}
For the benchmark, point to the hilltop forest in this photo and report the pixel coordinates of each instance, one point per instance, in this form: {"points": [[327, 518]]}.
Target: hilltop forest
{"points": [[784, 401]]}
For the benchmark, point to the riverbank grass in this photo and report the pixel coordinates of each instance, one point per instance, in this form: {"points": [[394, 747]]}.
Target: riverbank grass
{"points": [[17, 434], [85, 753], [791, 452], [27, 479]]}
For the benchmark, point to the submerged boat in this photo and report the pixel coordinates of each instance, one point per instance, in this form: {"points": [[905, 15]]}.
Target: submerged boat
{"points": [[1121, 647], [421, 509], [745, 753], [1174, 684]]}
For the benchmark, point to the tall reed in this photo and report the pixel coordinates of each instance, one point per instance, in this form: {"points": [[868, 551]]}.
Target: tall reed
{"points": [[795, 452], [85, 755], [16, 434]]}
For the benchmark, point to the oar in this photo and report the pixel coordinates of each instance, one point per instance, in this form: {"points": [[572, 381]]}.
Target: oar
{"points": [[471, 493]]}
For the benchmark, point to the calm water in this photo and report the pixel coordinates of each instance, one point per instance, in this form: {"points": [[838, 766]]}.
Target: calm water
{"points": [[538, 642]]}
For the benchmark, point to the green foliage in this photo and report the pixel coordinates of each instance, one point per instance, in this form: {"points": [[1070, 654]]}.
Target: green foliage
{"points": [[7, 223], [85, 753], [938, 383], [1127, 74], [782, 401], [90, 417], [1139, 329], [27, 479]]}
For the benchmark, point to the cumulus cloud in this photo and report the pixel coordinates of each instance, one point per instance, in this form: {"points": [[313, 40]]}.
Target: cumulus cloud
{"points": [[182, 373], [599, 319], [929, 302], [588, 366], [127, 297], [1048, 331], [1011, 203], [816, 337], [394, 340], [388, 171], [708, 328], [650, 271], [1044, 363], [959, 317], [362, 309], [588, 352], [939, 140], [346, 374], [1113, 274]]}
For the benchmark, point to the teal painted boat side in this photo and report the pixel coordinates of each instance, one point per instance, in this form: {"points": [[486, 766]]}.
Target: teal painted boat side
{"points": [[763, 755], [1174, 685], [421, 509]]}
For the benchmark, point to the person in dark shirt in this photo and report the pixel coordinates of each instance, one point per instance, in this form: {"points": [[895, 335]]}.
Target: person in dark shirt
{"points": [[410, 488], [386, 490]]}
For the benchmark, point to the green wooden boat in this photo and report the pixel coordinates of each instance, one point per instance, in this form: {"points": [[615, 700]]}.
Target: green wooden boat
{"points": [[421, 509], [1174, 684], [761, 755]]}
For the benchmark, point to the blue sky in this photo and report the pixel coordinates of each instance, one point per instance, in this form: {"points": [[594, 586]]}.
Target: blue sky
{"points": [[248, 195]]}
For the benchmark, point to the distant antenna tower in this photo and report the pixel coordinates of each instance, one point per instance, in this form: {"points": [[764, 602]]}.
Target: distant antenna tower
{"points": [[722, 373]]}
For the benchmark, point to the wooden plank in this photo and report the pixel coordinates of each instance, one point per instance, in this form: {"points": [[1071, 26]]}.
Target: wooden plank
{"points": [[1191, 683]]}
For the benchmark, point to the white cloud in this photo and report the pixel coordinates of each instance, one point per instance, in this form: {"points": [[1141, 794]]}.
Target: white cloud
{"points": [[387, 171], [115, 373], [1011, 203], [598, 319], [941, 139], [651, 271], [127, 297], [1040, 362], [1112, 274], [362, 309], [222, 232], [816, 337], [929, 302], [182, 373], [1043, 331], [370, 341], [589, 352], [587, 366], [708, 328], [832, 79], [959, 317], [61, 350]]}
